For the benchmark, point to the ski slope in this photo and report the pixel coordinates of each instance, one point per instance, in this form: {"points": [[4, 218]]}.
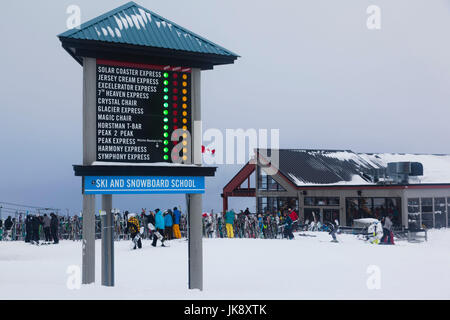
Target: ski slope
{"points": [[304, 268]]}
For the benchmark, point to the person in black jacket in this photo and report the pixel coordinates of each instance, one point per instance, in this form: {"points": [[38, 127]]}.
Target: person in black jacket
{"points": [[35, 224], [28, 232], [54, 227], [288, 227], [8, 227]]}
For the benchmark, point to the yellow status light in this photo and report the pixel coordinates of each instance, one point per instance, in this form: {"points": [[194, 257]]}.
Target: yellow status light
{"points": [[184, 158], [184, 76], [184, 84], [184, 128], [184, 120], [184, 150], [184, 105], [184, 113], [184, 143], [184, 91]]}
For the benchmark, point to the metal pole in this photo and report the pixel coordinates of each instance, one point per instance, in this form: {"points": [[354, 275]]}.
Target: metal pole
{"points": [[195, 242], [107, 242], [89, 156], [195, 231], [88, 254]]}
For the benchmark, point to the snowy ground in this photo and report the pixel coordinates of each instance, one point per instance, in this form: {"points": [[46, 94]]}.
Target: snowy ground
{"points": [[305, 268]]}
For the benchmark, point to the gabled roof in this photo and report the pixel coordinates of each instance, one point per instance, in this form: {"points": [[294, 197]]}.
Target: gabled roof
{"points": [[132, 24], [345, 167]]}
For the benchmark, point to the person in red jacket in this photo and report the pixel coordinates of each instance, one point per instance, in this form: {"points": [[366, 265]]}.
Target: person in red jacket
{"points": [[293, 215]]}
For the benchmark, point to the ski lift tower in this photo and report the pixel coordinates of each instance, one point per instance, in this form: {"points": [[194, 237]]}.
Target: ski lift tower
{"points": [[141, 120]]}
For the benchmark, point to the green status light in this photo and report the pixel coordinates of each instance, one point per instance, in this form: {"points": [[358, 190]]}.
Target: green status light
{"points": [[166, 157], [166, 89], [166, 75], [166, 120], [166, 149], [166, 82], [166, 112], [166, 142], [166, 134], [166, 97], [166, 127], [166, 105]]}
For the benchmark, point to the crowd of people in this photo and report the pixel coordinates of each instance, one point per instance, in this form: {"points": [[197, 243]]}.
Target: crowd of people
{"points": [[32, 228], [158, 225]]}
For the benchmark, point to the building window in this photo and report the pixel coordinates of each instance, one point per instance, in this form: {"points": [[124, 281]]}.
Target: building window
{"points": [[321, 201], [413, 213], [427, 212], [377, 208], [440, 213], [267, 183], [276, 204]]}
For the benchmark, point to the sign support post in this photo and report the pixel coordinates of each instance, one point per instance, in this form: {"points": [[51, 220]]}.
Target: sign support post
{"points": [[195, 233], [89, 154], [107, 241], [88, 255]]}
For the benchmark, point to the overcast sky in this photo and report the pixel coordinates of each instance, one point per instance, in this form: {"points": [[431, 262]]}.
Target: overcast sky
{"points": [[310, 68]]}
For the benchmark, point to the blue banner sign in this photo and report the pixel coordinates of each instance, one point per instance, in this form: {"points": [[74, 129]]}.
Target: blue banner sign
{"points": [[143, 185]]}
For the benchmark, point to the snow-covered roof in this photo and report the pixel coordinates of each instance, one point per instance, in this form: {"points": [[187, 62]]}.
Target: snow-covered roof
{"points": [[347, 168]]}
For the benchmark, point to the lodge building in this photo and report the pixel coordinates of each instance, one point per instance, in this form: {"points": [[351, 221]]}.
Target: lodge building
{"points": [[344, 185]]}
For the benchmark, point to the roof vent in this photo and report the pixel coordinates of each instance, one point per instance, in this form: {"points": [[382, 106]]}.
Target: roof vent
{"points": [[400, 172]]}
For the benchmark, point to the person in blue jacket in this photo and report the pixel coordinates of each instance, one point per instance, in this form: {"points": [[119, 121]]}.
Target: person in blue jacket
{"points": [[176, 223], [159, 225], [168, 223]]}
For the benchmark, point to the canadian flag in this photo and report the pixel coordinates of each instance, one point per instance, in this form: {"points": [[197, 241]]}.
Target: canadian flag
{"points": [[208, 150]]}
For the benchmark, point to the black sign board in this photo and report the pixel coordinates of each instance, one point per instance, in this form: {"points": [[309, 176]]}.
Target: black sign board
{"points": [[138, 108]]}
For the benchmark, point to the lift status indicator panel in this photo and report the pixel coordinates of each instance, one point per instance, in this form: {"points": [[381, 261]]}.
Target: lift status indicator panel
{"points": [[138, 108]]}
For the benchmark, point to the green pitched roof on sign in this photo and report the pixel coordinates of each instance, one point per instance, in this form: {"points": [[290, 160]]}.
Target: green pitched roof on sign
{"points": [[132, 25]]}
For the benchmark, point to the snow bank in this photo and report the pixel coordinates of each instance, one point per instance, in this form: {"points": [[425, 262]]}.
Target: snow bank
{"points": [[305, 268]]}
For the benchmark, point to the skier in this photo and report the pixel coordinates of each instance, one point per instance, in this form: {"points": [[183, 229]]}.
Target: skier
{"points": [[46, 221], [54, 223], [294, 217], [133, 229], [229, 221], [209, 226], [332, 229], [388, 237], [8, 227], [176, 223], [159, 225], [375, 232], [288, 227]]}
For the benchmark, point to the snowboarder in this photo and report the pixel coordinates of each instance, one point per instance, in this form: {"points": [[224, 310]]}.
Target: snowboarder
{"points": [[133, 229], [159, 225]]}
